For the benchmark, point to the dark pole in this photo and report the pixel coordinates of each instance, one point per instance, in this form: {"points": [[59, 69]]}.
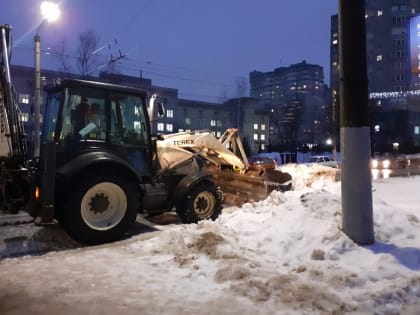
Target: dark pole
{"points": [[356, 182], [37, 116]]}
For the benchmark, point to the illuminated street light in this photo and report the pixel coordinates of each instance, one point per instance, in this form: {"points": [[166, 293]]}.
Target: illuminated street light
{"points": [[50, 13]]}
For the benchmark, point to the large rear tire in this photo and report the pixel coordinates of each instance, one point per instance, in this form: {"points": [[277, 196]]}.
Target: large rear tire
{"points": [[203, 201], [101, 209]]}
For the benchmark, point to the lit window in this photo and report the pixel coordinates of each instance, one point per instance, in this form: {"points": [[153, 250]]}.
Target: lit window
{"points": [[188, 121], [212, 123], [335, 42], [377, 128], [380, 12], [379, 58], [169, 127], [262, 127], [255, 126], [255, 136], [24, 98], [262, 146], [170, 113], [416, 130], [219, 123], [24, 117], [218, 134], [263, 137], [160, 127]]}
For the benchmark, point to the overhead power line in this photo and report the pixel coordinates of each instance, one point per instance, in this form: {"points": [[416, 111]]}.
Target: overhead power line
{"points": [[153, 69]]}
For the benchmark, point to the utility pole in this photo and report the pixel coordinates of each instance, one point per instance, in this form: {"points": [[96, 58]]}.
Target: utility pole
{"points": [[50, 12], [356, 181], [37, 114]]}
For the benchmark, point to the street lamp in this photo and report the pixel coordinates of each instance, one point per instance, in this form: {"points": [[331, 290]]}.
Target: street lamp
{"points": [[328, 141], [50, 13]]}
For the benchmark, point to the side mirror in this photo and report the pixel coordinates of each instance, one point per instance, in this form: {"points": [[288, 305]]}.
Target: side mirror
{"points": [[156, 103], [160, 107]]}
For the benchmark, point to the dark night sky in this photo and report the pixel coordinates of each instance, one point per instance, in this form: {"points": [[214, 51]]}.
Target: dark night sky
{"points": [[200, 47]]}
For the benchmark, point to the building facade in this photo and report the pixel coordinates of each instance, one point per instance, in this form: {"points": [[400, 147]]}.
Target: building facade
{"points": [[299, 105], [393, 69], [181, 114], [252, 119]]}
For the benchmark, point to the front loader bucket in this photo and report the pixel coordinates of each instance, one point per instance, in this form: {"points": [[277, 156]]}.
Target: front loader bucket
{"points": [[241, 188]]}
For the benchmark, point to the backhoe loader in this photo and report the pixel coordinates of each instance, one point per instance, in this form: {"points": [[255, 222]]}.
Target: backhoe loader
{"points": [[226, 160], [100, 165]]}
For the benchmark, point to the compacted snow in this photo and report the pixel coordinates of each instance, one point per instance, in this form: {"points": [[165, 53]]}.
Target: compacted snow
{"points": [[283, 255]]}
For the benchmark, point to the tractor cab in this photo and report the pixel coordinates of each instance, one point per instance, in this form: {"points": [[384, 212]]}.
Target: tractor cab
{"points": [[83, 117]]}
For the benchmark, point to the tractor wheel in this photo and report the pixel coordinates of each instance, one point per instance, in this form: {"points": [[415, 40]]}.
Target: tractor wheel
{"points": [[101, 209], [203, 201]]}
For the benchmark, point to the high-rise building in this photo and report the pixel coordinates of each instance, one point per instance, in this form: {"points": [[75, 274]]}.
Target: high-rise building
{"points": [[297, 100], [393, 69], [282, 84]]}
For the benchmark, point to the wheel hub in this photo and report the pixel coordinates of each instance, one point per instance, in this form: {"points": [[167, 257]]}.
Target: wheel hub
{"points": [[99, 203], [202, 204]]}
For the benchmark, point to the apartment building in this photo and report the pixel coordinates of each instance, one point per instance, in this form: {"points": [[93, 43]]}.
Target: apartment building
{"points": [[298, 102], [393, 69], [181, 114]]}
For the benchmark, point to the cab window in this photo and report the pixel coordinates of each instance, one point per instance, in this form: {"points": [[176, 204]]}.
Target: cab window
{"points": [[83, 116], [128, 123]]}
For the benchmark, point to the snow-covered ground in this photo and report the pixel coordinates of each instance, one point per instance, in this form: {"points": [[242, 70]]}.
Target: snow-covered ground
{"points": [[283, 255]]}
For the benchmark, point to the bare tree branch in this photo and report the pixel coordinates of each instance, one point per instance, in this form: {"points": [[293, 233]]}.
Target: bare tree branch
{"points": [[241, 87], [86, 60], [63, 58]]}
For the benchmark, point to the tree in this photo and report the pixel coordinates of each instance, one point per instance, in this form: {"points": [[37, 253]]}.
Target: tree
{"points": [[241, 87], [88, 46], [63, 58]]}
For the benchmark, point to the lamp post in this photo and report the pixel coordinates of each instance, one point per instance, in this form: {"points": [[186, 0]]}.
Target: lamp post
{"points": [[50, 13]]}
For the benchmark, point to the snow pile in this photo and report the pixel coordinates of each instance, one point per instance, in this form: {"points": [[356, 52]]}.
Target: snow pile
{"points": [[310, 175], [283, 255]]}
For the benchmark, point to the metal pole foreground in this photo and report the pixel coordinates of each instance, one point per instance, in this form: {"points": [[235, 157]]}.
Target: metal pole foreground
{"points": [[356, 181]]}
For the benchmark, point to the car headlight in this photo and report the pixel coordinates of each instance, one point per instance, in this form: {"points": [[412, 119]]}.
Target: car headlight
{"points": [[374, 163], [386, 163]]}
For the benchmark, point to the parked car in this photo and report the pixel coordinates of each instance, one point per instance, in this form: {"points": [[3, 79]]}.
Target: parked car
{"points": [[261, 163], [324, 160]]}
